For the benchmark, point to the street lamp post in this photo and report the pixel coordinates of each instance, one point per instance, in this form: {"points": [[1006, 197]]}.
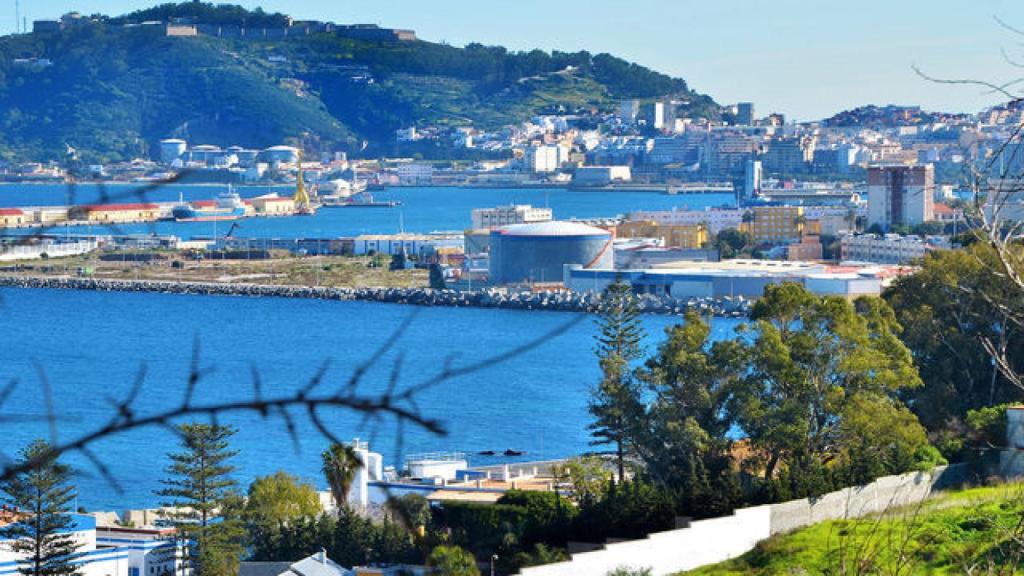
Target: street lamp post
{"points": [[494, 558]]}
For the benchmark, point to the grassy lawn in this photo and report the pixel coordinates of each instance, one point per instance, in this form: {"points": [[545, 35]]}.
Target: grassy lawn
{"points": [[335, 271], [973, 531]]}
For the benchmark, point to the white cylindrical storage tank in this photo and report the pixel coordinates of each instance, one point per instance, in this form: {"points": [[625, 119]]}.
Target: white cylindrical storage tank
{"points": [[172, 149], [281, 154], [540, 251]]}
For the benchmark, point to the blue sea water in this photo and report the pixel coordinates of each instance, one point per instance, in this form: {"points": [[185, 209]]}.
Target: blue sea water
{"points": [[90, 347], [422, 209]]}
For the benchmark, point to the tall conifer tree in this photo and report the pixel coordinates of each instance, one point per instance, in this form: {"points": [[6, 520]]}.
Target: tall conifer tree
{"points": [[202, 494], [615, 403], [42, 537]]}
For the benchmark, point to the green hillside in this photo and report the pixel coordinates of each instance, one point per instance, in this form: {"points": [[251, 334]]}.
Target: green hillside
{"points": [[112, 91], [975, 531]]}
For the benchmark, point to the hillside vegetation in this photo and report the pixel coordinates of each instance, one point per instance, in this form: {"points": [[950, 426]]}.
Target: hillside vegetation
{"points": [[974, 531], [112, 92]]}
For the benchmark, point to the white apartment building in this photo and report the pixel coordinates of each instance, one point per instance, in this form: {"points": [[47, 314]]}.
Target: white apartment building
{"points": [[488, 218], [716, 220], [899, 194], [542, 159], [888, 249], [415, 174]]}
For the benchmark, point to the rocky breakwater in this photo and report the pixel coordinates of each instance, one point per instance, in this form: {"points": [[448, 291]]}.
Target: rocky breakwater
{"points": [[487, 298]]}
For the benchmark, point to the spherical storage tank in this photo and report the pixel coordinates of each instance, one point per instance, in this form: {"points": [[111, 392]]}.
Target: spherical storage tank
{"points": [[538, 252]]}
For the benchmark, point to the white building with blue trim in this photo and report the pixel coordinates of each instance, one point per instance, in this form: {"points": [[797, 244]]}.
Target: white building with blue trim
{"points": [[109, 551]]}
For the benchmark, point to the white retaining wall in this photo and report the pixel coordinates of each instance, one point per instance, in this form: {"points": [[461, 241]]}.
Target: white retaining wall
{"points": [[718, 539]]}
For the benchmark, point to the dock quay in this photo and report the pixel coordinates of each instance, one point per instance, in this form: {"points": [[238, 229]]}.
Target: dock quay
{"points": [[559, 301]]}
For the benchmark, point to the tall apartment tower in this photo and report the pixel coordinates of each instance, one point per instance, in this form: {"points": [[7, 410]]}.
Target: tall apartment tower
{"points": [[745, 113], [900, 195], [629, 110]]}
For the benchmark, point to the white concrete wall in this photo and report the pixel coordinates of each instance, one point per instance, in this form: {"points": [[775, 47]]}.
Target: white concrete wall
{"points": [[704, 542], [718, 539]]}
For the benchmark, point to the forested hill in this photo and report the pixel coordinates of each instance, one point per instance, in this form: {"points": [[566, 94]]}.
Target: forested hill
{"points": [[112, 87]]}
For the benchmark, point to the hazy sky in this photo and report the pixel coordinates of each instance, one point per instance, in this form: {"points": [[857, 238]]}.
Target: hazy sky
{"points": [[807, 59]]}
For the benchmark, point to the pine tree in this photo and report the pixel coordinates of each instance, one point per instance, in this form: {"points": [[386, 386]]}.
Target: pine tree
{"points": [[615, 403], [42, 538], [201, 490]]}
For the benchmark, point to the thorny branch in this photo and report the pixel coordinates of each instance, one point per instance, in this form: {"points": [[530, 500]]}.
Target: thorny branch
{"points": [[995, 182]]}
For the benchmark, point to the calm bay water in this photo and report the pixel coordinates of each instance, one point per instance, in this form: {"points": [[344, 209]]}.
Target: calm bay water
{"points": [[91, 345], [422, 209]]}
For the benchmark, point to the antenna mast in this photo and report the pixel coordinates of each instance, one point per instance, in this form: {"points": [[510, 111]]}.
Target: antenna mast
{"points": [[17, 16]]}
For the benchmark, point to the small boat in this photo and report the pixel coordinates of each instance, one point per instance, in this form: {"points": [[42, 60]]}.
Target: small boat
{"points": [[511, 452], [486, 453]]}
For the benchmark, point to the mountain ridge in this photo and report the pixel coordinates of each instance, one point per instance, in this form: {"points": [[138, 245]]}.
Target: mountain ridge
{"points": [[111, 87]]}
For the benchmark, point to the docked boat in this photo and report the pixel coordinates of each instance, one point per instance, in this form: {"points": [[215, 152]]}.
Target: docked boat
{"points": [[227, 206], [363, 200], [338, 192]]}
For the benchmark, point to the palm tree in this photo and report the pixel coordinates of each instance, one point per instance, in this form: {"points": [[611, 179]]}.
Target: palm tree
{"points": [[340, 464]]}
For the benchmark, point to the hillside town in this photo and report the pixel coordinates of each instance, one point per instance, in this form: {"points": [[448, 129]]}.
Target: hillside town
{"points": [[283, 296]]}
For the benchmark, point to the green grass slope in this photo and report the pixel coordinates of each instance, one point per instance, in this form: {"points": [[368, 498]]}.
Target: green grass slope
{"points": [[113, 92], [975, 531]]}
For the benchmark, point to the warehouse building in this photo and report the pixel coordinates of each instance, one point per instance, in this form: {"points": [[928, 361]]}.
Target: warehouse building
{"points": [[734, 278]]}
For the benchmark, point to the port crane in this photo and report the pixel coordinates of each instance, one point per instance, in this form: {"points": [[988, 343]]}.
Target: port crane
{"points": [[303, 205]]}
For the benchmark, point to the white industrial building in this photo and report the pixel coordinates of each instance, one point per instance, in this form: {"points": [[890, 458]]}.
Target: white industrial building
{"points": [[601, 175], [734, 278], [31, 249], [410, 244], [371, 470], [487, 218], [436, 467]]}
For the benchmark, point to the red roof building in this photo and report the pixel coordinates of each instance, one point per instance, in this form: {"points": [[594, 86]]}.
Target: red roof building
{"points": [[120, 207]]}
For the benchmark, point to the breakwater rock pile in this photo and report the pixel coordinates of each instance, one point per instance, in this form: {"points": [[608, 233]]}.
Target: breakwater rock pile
{"points": [[486, 298]]}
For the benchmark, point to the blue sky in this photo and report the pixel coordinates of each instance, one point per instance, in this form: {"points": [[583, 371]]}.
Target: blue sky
{"points": [[807, 59]]}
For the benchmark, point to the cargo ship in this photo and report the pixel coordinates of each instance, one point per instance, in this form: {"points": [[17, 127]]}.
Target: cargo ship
{"points": [[227, 206]]}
